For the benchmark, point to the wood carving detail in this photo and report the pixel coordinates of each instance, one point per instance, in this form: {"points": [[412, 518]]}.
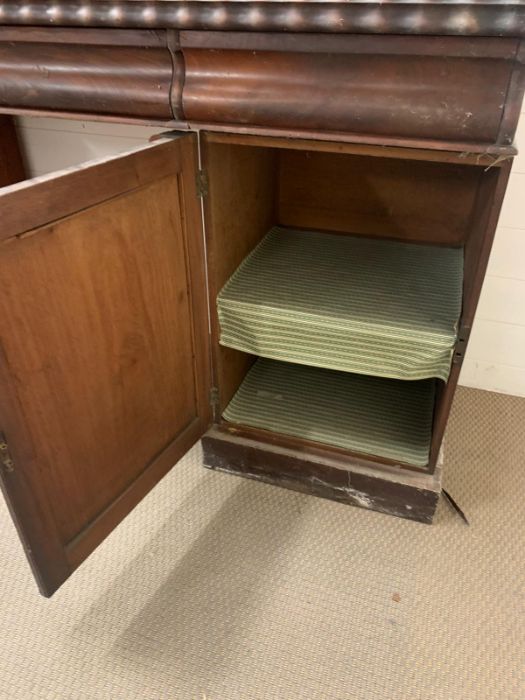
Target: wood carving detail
{"points": [[451, 18]]}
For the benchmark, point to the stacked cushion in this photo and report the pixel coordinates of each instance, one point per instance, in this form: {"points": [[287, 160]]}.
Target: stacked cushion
{"points": [[369, 306], [370, 415]]}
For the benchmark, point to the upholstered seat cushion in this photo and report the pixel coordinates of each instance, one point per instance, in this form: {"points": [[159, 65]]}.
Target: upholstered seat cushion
{"points": [[349, 303], [370, 415]]}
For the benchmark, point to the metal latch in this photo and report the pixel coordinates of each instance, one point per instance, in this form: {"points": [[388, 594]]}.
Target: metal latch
{"points": [[5, 456]]}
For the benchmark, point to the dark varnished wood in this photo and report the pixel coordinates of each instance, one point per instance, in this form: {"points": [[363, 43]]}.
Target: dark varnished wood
{"points": [[432, 154], [356, 86], [496, 17], [11, 162], [405, 494], [340, 137], [105, 79], [144, 38], [513, 98], [452, 47], [104, 352], [365, 90]]}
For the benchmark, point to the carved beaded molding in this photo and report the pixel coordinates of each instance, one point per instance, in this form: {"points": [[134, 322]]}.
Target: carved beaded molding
{"points": [[447, 17]]}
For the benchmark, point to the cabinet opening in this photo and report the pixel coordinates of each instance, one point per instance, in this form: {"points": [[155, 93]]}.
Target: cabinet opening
{"points": [[337, 292]]}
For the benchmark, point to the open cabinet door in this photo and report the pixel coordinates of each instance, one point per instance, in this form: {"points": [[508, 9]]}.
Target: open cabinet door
{"points": [[104, 345]]}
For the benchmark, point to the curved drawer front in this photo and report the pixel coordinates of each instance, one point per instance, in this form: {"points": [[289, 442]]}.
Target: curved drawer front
{"points": [[407, 89], [123, 81], [432, 90]]}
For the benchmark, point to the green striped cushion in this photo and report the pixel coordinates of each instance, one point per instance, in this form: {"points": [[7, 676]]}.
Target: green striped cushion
{"points": [[370, 415], [342, 302]]}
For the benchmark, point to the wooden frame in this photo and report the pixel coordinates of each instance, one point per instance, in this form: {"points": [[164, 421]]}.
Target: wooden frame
{"points": [[487, 185], [96, 349]]}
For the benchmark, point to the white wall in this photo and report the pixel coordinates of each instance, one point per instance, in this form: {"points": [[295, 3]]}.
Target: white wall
{"points": [[52, 144], [496, 354]]}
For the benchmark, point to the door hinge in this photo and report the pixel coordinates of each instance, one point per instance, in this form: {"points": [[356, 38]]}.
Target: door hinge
{"points": [[202, 184], [5, 456], [214, 402], [461, 345]]}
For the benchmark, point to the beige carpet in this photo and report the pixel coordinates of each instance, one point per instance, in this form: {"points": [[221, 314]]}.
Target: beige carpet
{"points": [[220, 588]]}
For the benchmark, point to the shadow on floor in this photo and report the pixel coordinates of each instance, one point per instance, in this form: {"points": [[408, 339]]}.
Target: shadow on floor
{"points": [[209, 600]]}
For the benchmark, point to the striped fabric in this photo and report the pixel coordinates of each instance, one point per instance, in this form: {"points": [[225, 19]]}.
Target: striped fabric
{"points": [[370, 415], [348, 303]]}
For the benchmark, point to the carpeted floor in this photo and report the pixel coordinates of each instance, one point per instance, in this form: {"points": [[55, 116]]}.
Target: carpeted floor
{"points": [[217, 587]]}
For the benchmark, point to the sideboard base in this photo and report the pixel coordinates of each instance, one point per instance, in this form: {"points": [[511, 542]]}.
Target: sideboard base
{"points": [[390, 490]]}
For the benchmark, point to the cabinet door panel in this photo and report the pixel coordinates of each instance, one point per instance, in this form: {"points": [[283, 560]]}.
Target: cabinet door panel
{"points": [[104, 346]]}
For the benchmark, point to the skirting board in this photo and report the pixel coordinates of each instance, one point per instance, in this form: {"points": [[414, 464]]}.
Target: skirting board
{"points": [[390, 490]]}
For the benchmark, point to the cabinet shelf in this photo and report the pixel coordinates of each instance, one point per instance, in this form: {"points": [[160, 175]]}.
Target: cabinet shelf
{"points": [[386, 418], [353, 304]]}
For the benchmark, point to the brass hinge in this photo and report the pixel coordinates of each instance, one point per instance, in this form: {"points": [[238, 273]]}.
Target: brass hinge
{"points": [[5, 456], [214, 402], [461, 345], [202, 184]]}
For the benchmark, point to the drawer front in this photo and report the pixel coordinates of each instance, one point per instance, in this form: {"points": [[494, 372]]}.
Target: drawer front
{"points": [[446, 89], [458, 91], [126, 81]]}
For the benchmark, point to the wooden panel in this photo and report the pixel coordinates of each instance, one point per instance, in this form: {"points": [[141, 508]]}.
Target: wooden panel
{"points": [[35, 202], [470, 149], [350, 44], [239, 212], [482, 228], [104, 356], [87, 37], [457, 98], [393, 198], [118, 80], [415, 17], [324, 142], [11, 164]]}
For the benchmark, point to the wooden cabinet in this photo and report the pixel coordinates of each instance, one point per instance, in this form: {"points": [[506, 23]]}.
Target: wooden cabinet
{"points": [[194, 288]]}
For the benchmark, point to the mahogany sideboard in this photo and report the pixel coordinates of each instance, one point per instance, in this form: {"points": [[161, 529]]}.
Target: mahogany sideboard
{"points": [[384, 129]]}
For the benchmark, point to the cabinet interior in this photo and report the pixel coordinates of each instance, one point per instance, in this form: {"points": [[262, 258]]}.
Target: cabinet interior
{"points": [[397, 208], [383, 206]]}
